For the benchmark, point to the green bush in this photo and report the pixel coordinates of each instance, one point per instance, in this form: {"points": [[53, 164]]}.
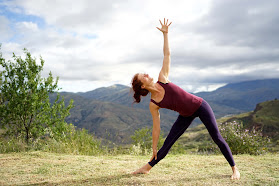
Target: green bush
{"points": [[243, 141], [142, 141], [177, 148], [71, 140], [12, 144]]}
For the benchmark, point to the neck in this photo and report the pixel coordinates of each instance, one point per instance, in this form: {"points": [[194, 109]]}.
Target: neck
{"points": [[153, 88]]}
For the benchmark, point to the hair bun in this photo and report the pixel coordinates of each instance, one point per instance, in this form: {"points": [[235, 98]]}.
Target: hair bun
{"points": [[136, 84], [137, 97]]}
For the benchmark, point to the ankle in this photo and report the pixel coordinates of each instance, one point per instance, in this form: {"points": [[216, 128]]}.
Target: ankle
{"points": [[234, 168], [147, 166]]}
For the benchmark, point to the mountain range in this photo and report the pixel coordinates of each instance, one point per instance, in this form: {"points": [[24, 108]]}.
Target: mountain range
{"points": [[109, 112]]}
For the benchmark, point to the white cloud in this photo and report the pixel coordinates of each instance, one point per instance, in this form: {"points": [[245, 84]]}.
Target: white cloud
{"points": [[27, 26], [5, 31], [99, 43], [241, 23]]}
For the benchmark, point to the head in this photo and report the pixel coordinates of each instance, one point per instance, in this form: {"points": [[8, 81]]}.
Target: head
{"points": [[140, 83]]}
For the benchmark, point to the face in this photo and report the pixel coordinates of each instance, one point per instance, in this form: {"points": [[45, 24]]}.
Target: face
{"points": [[145, 79]]}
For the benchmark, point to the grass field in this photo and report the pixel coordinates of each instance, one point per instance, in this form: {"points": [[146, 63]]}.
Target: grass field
{"points": [[63, 169]]}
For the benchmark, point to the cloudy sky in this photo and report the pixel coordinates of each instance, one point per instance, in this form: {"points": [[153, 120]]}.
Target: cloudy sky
{"points": [[96, 43]]}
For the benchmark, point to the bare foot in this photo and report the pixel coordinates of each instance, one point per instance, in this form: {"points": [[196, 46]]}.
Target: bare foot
{"points": [[236, 174], [143, 170]]}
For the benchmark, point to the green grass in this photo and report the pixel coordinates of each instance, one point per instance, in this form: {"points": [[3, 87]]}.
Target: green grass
{"points": [[189, 169]]}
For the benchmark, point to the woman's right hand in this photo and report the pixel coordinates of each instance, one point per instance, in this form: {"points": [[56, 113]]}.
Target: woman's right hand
{"points": [[154, 154]]}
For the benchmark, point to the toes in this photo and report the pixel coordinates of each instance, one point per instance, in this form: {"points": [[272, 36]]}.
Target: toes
{"points": [[235, 177], [136, 172]]}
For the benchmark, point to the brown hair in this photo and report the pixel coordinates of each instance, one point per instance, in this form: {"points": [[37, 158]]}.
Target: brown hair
{"points": [[138, 91]]}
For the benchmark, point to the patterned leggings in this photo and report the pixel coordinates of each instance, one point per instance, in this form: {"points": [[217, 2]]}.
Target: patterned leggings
{"points": [[206, 115]]}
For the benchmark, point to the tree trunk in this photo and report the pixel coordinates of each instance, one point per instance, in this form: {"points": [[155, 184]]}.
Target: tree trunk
{"points": [[27, 136]]}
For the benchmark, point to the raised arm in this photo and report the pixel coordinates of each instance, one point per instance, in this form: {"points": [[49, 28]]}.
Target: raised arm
{"points": [[164, 73]]}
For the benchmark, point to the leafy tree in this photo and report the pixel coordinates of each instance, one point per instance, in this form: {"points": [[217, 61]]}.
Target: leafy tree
{"points": [[26, 109], [1, 59], [1, 100]]}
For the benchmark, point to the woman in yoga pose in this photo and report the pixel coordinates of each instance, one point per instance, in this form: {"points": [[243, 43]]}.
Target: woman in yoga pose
{"points": [[165, 94]]}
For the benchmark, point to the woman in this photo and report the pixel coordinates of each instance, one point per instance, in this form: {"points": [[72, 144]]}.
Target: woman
{"points": [[165, 94]]}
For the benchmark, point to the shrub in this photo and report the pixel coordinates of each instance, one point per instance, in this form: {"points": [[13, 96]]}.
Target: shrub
{"points": [[243, 141], [13, 144], [72, 141], [142, 141]]}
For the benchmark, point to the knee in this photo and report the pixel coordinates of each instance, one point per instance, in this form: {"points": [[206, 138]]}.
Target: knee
{"points": [[219, 140]]}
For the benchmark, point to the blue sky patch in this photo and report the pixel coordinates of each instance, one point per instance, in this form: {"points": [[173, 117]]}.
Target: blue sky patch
{"points": [[14, 17]]}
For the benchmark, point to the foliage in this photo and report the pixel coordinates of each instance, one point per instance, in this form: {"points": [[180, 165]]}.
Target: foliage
{"points": [[264, 116], [12, 144], [26, 109], [243, 141], [142, 141], [72, 141]]}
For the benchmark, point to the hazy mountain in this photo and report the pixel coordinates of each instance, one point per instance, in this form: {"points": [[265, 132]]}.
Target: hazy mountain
{"points": [[105, 93], [244, 95], [117, 93]]}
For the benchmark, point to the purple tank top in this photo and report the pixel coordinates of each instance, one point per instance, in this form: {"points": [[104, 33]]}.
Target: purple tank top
{"points": [[179, 100]]}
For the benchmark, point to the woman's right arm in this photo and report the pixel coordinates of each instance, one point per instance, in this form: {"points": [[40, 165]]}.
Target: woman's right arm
{"points": [[154, 110], [164, 73]]}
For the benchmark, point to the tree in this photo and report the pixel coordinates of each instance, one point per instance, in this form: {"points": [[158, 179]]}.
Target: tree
{"points": [[26, 109]]}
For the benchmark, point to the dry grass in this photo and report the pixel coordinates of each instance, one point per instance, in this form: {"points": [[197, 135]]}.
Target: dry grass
{"points": [[62, 169]]}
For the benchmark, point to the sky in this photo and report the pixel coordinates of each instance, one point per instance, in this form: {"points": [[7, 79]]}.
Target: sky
{"points": [[97, 43]]}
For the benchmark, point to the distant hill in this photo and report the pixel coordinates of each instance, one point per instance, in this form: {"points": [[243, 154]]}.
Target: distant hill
{"points": [[108, 111], [117, 93], [104, 93], [244, 95], [265, 116]]}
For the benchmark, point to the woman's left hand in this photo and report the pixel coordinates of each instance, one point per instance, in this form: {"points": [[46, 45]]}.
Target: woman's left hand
{"points": [[154, 154], [165, 26]]}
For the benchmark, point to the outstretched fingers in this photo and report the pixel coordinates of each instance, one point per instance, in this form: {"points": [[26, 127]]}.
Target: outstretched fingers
{"points": [[165, 23], [158, 28], [160, 22]]}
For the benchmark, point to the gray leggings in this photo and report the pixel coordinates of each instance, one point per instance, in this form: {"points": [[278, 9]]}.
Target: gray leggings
{"points": [[206, 115]]}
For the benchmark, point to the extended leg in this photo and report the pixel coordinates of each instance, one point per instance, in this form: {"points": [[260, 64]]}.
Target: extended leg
{"points": [[207, 117], [178, 128]]}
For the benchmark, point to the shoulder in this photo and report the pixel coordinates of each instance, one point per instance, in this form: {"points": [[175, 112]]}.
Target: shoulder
{"points": [[153, 107], [163, 78], [154, 110]]}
